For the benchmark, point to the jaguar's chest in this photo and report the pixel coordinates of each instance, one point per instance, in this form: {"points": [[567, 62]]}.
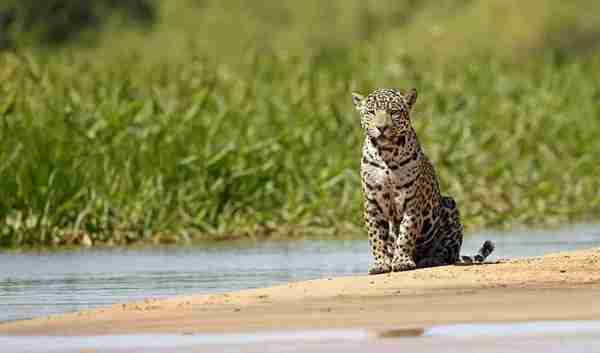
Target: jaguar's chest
{"points": [[392, 189]]}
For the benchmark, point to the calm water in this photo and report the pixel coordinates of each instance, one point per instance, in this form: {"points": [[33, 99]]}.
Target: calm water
{"points": [[34, 284], [531, 337]]}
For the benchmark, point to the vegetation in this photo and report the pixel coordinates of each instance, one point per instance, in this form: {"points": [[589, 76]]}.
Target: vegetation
{"points": [[53, 22], [234, 120]]}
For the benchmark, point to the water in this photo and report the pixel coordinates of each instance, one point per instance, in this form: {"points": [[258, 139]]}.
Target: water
{"points": [[558, 336], [41, 283]]}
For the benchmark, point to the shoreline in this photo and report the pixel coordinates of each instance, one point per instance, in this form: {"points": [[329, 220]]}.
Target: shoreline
{"points": [[558, 286]]}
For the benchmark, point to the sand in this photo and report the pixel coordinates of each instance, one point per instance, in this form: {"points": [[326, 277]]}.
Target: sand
{"points": [[563, 286]]}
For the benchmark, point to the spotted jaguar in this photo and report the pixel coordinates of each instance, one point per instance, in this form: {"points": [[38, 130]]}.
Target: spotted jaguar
{"points": [[409, 223]]}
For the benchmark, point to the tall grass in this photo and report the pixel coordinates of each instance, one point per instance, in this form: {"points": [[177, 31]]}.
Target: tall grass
{"points": [[97, 146]]}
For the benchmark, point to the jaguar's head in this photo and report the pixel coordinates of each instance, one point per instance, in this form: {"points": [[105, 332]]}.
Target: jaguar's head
{"points": [[385, 113]]}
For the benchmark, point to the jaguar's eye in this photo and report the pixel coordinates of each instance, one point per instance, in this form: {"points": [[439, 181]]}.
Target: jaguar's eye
{"points": [[395, 112], [371, 112]]}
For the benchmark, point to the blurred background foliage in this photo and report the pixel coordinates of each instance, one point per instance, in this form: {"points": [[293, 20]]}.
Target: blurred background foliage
{"points": [[229, 27], [166, 121], [56, 22]]}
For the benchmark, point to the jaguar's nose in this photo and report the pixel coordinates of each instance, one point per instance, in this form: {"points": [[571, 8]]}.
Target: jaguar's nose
{"points": [[381, 121]]}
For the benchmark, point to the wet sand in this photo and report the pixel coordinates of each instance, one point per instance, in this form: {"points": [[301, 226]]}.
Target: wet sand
{"points": [[563, 286]]}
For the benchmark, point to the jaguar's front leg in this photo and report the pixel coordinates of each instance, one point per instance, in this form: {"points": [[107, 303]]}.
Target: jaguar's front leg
{"points": [[406, 242], [378, 231]]}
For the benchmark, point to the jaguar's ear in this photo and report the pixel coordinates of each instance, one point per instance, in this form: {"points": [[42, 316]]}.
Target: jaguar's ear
{"points": [[411, 97], [357, 99]]}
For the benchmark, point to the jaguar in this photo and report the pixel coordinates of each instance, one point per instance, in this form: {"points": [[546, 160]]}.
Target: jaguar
{"points": [[409, 223]]}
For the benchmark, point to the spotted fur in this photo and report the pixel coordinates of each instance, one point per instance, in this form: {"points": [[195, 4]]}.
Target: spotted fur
{"points": [[409, 223]]}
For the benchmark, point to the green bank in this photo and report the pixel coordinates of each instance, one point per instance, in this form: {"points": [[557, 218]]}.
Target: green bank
{"points": [[227, 120]]}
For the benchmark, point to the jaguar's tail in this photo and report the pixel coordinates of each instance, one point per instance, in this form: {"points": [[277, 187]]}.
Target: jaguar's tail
{"points": [[486, 249]]}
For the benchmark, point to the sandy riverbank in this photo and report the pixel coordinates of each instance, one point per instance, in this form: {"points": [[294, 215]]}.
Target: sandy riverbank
{"points": [[564, 286]]}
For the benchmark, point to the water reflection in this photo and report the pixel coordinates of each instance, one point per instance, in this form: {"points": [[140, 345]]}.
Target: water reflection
{"points": [[559, 336], [400, 333]]}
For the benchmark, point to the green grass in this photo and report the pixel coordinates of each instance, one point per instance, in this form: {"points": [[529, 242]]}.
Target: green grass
{"points": [[118, 145]]}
